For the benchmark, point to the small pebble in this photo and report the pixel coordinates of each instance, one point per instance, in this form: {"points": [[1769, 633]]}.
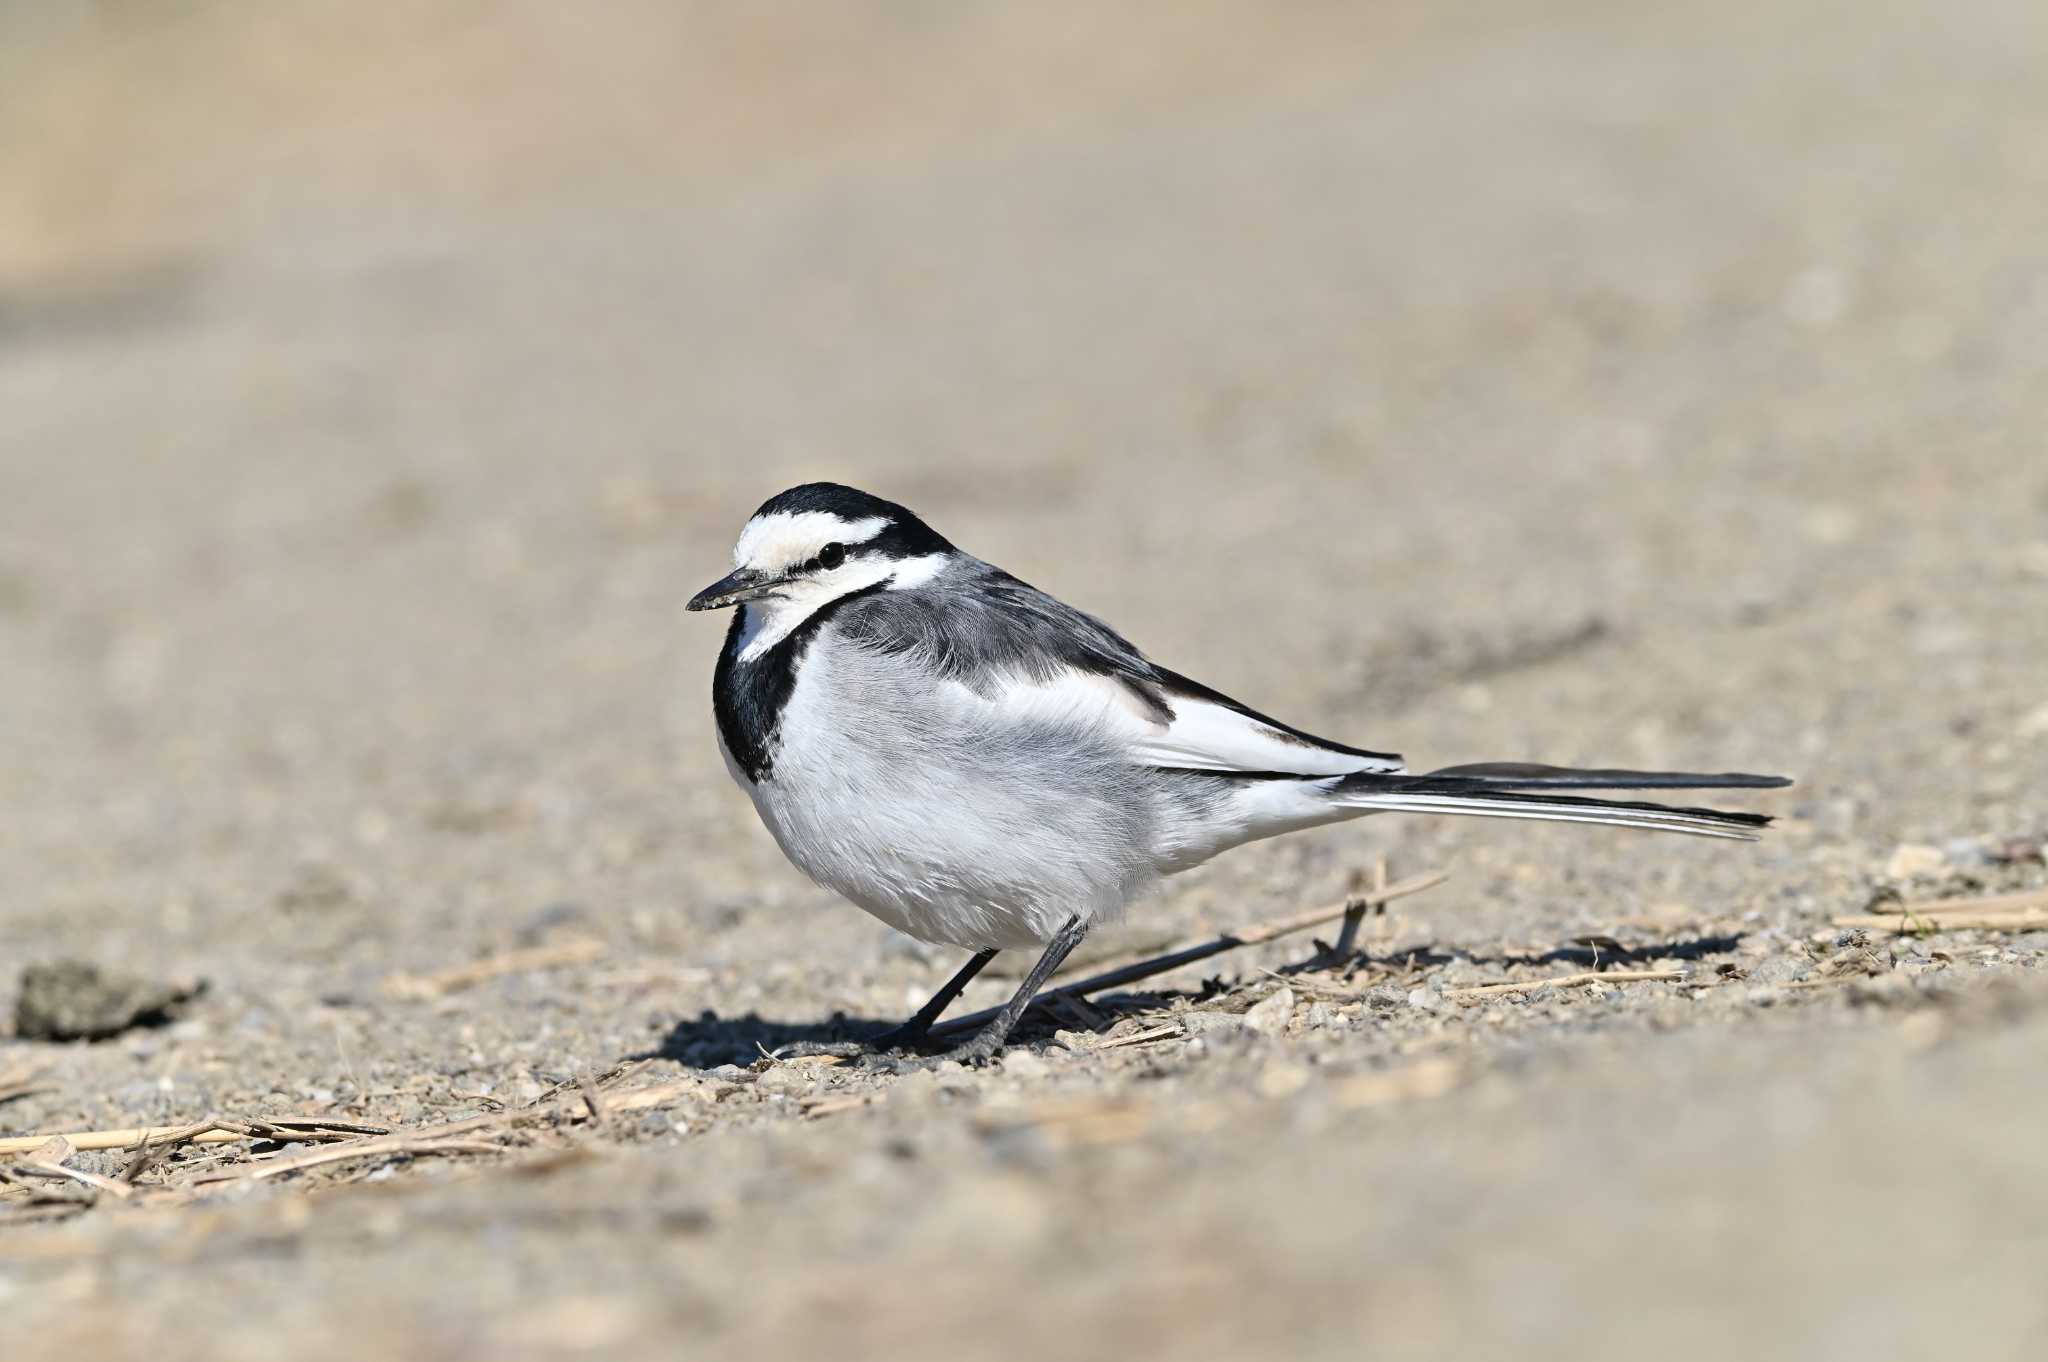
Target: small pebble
{"points": [[786, 1080], [1272, 1016], [1427, 1000], [1914, 860], [1778, 969], [1211, 1023], [1462, 972], [77, 1000], [1024, 1064], [1966, 851]]}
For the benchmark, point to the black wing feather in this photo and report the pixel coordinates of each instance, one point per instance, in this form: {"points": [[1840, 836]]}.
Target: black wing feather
{"points": [[993, 625]]}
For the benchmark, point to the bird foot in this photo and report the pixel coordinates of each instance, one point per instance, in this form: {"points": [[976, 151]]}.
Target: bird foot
{"points": [[978, 1051], [898, 1038], [809, 1049]]}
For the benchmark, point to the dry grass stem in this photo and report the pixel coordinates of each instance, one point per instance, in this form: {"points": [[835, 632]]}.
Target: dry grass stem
{"points": [[1918, 919], [657, 1095], [1316, 988], [1356, 909], [47, 1160], [2019, 912], [214, 1130], [22, 1078], [1991, 903], [1613, 976], [425, 1140], [1143, 1037], [555, 955], [593, 1100]]}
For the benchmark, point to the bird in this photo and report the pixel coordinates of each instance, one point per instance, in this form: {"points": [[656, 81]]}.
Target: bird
{"points": [[983, 766]]}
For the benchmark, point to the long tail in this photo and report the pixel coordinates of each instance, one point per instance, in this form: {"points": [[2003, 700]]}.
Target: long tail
{"points": [[1515, 790]]}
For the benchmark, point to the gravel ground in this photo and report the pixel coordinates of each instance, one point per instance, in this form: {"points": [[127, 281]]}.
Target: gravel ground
{"points": [[1582, 383]]}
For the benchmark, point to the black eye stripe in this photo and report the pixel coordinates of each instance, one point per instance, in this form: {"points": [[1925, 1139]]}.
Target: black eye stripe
{"points": [[827, 558]]}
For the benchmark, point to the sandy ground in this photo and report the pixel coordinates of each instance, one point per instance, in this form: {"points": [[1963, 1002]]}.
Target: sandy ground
{"points": [[1583, 383]]}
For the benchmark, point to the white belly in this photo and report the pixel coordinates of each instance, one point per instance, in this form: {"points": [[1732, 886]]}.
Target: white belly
{"points": [[908, 801]]}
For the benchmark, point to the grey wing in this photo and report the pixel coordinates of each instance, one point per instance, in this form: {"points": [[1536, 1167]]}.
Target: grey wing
{"points": [[980, 626], [1033, 655]]}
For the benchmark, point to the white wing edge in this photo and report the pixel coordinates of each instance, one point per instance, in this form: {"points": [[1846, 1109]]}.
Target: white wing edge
{"points": [[1201, 736]]}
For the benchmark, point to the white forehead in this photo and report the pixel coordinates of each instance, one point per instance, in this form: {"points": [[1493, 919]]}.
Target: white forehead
{"points": [[787, 538]]}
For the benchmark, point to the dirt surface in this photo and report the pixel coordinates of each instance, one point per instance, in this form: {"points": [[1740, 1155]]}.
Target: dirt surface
{"points": [[1583, 383]]}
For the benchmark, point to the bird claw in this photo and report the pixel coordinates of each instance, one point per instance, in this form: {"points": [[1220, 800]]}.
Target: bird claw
{"points": [[977, 1052], [895, 1040], [810, 1049]]}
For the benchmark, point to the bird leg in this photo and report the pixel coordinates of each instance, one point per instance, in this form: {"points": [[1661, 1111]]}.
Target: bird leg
{"points": [[989, 1040], [913, 1032], [910, 1034]]}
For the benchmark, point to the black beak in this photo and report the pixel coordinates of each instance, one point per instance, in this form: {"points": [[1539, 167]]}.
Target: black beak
{"points": [[734, 589]]}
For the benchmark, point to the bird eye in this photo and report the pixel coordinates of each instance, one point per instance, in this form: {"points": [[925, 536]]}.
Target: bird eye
{"points": [[831, 556]]}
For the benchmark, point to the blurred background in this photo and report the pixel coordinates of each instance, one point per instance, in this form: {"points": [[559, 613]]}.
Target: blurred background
{"points": [[1580, 381], [386, 377]]}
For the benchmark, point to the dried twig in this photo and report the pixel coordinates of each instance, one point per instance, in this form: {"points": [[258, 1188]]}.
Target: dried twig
{"points": [[19, 1080], [574, 951], [213, 1130], [1355, 911], [1143, 1037], [347, 1140], [656, 1095], [593, 1099], [1915, 920], [2019, 912], [1316, 988], [47, 1160], [424, 1140], [1613, 976], [438, 1139], [1250, 936], [147, 1155], [1990, 903]]}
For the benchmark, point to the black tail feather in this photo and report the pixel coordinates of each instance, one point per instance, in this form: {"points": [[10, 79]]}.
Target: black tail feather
{"points": [[1519, 775], [1514, 790]]}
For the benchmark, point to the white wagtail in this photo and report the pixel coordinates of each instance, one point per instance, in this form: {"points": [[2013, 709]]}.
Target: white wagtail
{"points": [[980, 765]]}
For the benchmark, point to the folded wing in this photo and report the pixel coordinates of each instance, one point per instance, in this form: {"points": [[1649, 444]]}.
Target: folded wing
{"points": [[1194, 728]]}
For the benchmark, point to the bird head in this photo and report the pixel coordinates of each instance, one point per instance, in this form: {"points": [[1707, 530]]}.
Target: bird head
{"points": [[819, 542]]}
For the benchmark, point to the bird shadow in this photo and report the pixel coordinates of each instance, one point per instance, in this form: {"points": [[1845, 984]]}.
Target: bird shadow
{"points": [[1593, 953], [709, 1040]]}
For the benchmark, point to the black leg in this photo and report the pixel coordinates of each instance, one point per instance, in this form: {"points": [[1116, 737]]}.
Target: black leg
{"points": [[908, 1036], [990, 1038], [914, 1031]]}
